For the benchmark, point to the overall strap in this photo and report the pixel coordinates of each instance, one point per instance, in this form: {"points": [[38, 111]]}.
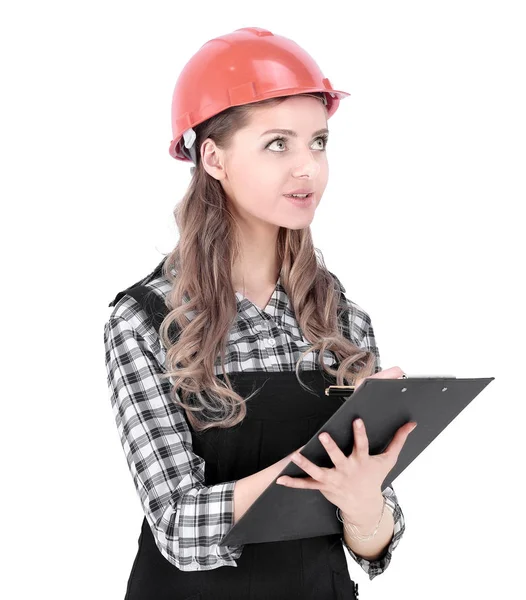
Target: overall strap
{"points": [[152, 304], [157, 272]]}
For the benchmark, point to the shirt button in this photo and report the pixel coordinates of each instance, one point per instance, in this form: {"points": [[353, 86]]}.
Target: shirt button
{"points": [[272, 342]]}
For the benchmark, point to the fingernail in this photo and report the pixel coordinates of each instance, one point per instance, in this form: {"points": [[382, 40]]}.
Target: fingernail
{"points": [[359, 423], [412, 429]]}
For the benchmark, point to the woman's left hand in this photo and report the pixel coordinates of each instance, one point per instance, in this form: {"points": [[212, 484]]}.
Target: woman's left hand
{"points": [[354, 483]]}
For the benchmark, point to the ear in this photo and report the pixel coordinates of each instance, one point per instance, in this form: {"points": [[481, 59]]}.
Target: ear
{"points": [[212, 159]]}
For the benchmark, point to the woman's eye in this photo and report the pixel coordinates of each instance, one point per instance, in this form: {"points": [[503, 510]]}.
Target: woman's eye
{"points": [[277, 140], [282, 141]]}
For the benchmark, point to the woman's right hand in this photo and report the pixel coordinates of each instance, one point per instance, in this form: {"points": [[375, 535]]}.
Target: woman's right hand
{"points": [[391, 373]]}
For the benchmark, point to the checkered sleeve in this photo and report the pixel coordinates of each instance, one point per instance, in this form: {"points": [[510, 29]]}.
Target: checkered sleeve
{"points": [[187, 518], [363, 330], [378, 566]]}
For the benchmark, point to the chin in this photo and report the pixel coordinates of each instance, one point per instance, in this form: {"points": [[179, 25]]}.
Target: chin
{"points": [[298, 223]]}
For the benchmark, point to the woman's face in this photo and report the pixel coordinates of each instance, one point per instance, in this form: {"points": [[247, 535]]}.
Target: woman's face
{"points": [[259, 168]]}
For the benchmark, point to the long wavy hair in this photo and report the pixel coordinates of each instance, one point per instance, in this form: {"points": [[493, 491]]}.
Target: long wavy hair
{"points": [[202, 284]]}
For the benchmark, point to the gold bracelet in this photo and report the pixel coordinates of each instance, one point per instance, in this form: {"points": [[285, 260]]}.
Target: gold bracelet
{"points": [[358, 536]]}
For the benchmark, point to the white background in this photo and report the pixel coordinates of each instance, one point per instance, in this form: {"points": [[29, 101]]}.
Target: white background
{"points": [[422, 220]]}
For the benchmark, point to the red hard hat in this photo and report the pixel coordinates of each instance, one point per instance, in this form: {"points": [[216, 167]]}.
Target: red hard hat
{"points": [[247, 65]]}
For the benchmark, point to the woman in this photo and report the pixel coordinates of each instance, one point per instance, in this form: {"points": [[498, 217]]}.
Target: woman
{"points": [[205, 380]]}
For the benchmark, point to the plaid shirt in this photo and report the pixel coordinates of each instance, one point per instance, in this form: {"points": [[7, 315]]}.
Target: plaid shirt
{"points": [[187, 517]]}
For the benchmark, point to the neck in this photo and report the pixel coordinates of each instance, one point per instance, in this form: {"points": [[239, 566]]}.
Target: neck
{"points": [[257, 268]]}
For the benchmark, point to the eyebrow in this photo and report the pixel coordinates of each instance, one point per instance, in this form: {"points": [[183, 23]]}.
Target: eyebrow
{"points": [[293, 133]]}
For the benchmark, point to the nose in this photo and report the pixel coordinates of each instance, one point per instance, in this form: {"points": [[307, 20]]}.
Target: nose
{"points": [[309, 166]]}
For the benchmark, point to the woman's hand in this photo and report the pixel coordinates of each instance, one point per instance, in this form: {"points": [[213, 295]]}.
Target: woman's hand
{"points": [[354, 483]]}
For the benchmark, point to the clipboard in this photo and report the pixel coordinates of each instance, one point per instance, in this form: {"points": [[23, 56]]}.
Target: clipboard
{"points": [[282, 513]]}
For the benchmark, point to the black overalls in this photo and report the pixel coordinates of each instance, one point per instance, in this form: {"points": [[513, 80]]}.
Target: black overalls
{"points": [[281, 418]]}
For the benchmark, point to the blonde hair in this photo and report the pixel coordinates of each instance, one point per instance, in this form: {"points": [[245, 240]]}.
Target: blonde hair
{"points": [[202, 261]]}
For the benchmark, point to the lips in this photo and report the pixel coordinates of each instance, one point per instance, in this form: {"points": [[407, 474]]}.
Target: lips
{"points": [[301, 191]]}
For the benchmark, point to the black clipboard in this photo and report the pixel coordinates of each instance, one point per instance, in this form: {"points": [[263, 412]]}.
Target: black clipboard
{"points": [[282, 513]]}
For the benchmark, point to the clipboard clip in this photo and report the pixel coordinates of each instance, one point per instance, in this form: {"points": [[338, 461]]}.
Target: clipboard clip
{"points": [[346, 390], [339, 390]]}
